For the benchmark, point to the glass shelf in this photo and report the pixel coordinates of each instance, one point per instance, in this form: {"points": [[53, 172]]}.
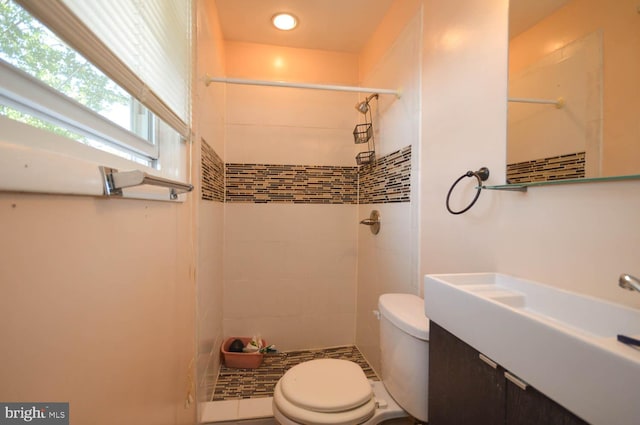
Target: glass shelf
{"points": [[522, 187]]}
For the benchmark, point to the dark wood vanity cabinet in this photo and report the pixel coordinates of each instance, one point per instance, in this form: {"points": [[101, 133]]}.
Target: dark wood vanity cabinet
{"points": [[531, 407], [466, 388], [462, 389]]}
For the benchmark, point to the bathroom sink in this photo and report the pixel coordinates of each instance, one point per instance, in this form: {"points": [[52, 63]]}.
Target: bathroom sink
{"points": [[562, 343]]}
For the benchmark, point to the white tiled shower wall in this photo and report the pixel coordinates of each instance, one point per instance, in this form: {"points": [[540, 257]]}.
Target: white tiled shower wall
{"points": [[209, 215], [290, 273], [290, 269], [387, 262], [299, 273]]}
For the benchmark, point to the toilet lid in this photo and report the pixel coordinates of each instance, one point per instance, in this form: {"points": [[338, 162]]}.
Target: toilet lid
{"points": [[287, 413], [326, 385]]}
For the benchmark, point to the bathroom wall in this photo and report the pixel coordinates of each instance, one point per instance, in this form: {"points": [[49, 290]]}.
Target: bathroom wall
{"points": [[577, 237], [209, 116], [290, 268], [98, 306], [388, 261], [464, 87]]}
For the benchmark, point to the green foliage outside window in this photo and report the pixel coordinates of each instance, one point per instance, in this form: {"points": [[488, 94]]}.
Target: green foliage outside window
{"points": [[28, 45]]}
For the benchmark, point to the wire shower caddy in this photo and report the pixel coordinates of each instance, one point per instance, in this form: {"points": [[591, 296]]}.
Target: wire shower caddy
{"points": [[363, 133]]}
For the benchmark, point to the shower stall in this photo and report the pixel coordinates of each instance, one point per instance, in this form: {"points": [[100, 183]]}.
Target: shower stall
{"points": [[298, 268]]}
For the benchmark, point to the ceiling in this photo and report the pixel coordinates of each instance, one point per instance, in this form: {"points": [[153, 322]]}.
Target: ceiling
{"points": [[336, 25], [523, 14]]}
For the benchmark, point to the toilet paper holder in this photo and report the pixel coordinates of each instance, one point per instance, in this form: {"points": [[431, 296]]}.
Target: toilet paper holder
{"points": [[373, 222]]}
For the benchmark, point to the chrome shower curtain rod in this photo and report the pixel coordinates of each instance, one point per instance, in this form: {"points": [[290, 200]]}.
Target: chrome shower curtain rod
{"points": [[209, 80]]}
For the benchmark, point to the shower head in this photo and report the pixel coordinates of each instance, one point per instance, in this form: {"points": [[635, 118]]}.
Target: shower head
{"points": [[363, 106]]}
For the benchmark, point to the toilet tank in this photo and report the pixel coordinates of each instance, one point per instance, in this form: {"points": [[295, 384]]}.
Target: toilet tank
{"points": [[404, 351]]}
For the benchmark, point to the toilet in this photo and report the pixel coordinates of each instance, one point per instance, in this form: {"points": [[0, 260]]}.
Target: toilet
{"points": [[337, 392]]}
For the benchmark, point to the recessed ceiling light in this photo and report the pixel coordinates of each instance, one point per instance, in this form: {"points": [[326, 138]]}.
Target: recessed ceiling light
{"points": [[284, 21]]}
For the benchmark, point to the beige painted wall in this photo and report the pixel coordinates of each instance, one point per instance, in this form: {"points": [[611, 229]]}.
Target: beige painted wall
{"points": [[97, 306], [464, 86], [386, 34], [264, 62], [618, 20], [99, 296], [576, 237]]}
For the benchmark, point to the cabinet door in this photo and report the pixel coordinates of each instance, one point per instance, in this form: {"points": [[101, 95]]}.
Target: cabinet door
{"points": [[463, 389], [531, 407]]}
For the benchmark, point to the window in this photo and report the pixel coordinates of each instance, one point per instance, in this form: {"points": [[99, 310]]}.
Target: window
{"points": [[120, 87]]}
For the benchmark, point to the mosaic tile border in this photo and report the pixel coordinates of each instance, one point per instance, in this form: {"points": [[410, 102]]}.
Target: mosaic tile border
{"points": [[299, 184], [569, 166], [387, 180], [235, 384], [212, 176]]}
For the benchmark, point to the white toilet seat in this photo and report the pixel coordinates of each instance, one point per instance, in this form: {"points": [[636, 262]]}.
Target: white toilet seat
{"points": [[324, 391], [326, 385]]}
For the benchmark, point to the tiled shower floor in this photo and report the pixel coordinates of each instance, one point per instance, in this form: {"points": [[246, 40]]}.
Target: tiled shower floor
{"points": [[236, 384]]}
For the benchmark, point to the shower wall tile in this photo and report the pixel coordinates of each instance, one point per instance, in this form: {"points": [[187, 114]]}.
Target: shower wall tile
{"points": [[388, 179], [387, 262], [284, 241], [275, 125], [289, 107], [291, 268], [212, 176], [289, 144], [278, 281], [297, 332], [298, 184], [569, 166]]}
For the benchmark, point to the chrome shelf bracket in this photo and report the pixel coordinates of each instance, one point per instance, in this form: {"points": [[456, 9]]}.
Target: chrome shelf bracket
{"points": [[114, 181]]}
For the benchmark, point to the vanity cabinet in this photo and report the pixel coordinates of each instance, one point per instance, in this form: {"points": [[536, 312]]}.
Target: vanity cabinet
{"points": [[462, 388], [531, 407], [466, 388]]}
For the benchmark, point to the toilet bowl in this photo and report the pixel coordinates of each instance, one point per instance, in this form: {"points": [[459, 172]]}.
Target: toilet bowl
{"points": [[337, 392]]}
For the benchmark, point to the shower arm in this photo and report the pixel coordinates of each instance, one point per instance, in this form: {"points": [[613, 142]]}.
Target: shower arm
{"points": [[371, 97]]}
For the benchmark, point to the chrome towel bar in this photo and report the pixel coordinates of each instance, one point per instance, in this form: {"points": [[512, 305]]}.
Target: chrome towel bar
{"points": [[114, 181]]}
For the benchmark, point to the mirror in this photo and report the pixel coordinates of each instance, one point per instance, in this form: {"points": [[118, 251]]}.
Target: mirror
{"points": [[574, 90]]}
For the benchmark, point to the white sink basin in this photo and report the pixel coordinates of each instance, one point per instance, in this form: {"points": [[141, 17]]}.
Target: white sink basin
{"points": [[562, 343]]}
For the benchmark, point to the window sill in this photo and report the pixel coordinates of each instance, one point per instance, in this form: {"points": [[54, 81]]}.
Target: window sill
{"points": [[29, 164]]}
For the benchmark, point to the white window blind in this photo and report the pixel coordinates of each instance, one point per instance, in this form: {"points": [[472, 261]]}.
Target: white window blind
{"points": [[143, 45]]}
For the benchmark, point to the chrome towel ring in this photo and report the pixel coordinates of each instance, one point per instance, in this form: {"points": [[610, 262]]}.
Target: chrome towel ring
{"points": [[482, 174]]}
